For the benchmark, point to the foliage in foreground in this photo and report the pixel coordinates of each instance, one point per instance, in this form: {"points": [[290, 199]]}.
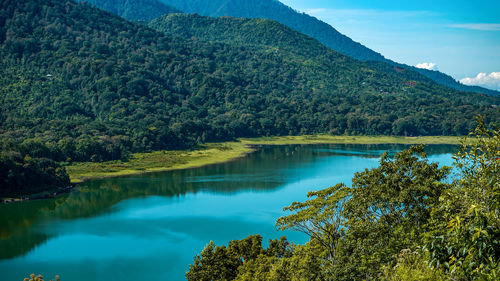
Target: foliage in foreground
{"points": [[466, 236], [404, 220]]}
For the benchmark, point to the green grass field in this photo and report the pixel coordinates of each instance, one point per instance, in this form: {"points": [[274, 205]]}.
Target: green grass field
{"points": [[214, 153], [159, 161]]}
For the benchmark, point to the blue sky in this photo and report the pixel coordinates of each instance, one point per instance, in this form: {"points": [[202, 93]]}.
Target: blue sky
{"points": [[460, 38]]}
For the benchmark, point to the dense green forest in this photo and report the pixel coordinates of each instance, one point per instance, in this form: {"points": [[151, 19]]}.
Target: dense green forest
{"points": [[134, 10], [29, 168], [248, 32], [260, 34], [407, 219], [275, 10], [323, 32], [90, 86], [257, 34]]}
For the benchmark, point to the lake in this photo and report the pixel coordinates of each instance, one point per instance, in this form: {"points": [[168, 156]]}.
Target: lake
{"points": [[150, 227]]}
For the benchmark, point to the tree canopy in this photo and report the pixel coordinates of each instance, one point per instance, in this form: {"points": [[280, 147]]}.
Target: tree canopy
{"points": [[134, 10]]}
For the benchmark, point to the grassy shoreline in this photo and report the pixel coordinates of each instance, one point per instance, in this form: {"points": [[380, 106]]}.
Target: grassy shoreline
{"points": [[214, 153], [159, 161], [328, 139]]}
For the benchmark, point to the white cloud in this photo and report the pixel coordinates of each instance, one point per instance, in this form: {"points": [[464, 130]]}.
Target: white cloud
{"points": [[427, 65], [478, 26], [491, 80]]}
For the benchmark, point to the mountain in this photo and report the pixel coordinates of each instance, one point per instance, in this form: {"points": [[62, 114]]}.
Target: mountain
{"points": [[254, 34], [134, 10], [81, 84], [323, 32], [259, 33], [146, 10], [275, 10], [449, 81]]}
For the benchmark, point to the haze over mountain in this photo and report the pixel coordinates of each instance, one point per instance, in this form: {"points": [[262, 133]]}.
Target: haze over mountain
{"points": [[326, 34]]}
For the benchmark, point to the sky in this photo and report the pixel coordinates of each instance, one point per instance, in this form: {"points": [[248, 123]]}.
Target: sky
{"points": [[459, 38]]}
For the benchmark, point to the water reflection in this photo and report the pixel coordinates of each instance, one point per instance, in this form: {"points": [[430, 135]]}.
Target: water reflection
{"points": [[146, 216]]}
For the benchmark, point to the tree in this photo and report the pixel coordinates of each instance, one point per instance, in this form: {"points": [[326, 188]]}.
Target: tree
{"points": [[359, 229], [321, 218], [214, 263], [466, 237], [411, 266], [389, 209], [395, 221], [244, 259], [398, 193]]}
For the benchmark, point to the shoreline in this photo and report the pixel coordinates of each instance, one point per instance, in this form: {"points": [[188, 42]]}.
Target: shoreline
{"points": [[213, 153], [160, 161], [216, 153], [328, 139], [49, 194]]}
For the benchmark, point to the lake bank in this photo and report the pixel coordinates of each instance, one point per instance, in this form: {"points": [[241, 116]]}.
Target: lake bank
{"points": [[327, 139], [150, 226], [159, 161], [213, 153]]}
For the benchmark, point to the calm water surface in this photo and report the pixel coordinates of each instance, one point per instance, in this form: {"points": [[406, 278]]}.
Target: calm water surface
{"points": [[150, 227]]}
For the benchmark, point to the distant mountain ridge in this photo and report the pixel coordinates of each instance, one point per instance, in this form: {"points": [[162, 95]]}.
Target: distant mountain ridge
{"points": [[323, 32], [261, 33], [275, 10], [258, 34], [447, 80], [146, 10]]}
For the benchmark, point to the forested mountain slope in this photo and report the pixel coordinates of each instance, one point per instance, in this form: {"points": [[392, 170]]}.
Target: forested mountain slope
{"points": [[94, 85], [275, 10], [134, 10], [255, 34], [323, 32], [261, 32]]}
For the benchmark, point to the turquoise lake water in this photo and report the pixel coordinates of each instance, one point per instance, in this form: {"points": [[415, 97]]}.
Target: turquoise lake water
{"points": [[150, 227]]}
